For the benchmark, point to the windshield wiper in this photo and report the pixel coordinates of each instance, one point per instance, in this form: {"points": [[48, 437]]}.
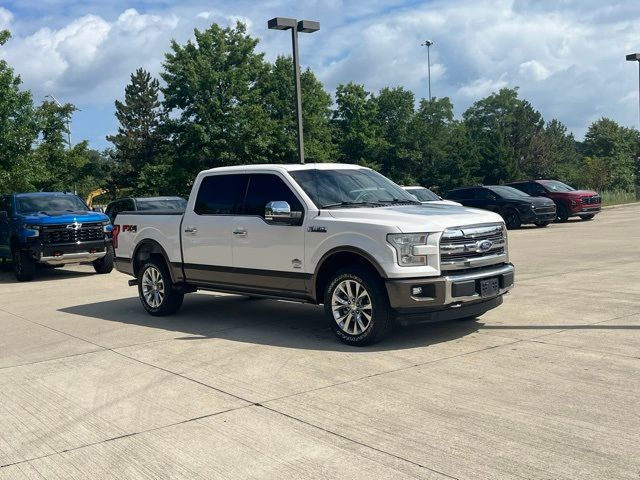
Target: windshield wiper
{"points": [[352, 204], [400, 201]]}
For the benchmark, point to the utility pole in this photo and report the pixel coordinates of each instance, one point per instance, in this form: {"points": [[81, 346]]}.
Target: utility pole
{"points": [[428, 43]]}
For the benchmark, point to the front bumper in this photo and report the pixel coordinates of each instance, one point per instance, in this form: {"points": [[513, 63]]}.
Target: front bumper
{"points": [[449, 293], [63, 254], [532, 216], [587, 210]]}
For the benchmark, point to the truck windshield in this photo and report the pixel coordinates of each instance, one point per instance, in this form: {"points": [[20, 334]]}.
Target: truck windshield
{"points": [[144, 204], [50, 204], [348, 188], [556, 186]]}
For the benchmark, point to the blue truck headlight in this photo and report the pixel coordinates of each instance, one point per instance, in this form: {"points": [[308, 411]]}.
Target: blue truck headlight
{"points": [[403, 244], [31, 231], [107, 227]]}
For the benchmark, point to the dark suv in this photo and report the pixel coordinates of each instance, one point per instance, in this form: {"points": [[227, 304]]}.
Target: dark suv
{"points": [[569, 201], [131, 204], [513, 205]]}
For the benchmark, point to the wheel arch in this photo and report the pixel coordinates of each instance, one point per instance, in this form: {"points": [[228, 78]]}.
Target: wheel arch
{"points": [[148, 249], [338, 258]]}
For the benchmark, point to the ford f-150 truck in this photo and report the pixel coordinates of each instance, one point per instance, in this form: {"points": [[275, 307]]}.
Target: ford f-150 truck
{"points": [[52, 229], [339, 235]]}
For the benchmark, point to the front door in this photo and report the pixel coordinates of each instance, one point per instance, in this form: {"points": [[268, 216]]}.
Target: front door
{"points": [[267, 255], [206, 229]]}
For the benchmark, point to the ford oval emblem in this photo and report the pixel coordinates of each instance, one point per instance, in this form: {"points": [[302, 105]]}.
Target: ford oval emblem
{"points": [[484, 246]]}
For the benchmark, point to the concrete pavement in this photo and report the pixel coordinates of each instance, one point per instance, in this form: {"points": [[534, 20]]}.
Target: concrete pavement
{"points": [[545, 387]]}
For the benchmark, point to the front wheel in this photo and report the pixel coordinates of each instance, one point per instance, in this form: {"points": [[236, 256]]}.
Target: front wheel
{"points": [[512, 219], [562, 214], [24, 266], [357, 306], [156, 291], [105, 264]]}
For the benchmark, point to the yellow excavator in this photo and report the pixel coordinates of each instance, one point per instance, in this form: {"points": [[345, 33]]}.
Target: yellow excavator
{"points": [[95, 193]]}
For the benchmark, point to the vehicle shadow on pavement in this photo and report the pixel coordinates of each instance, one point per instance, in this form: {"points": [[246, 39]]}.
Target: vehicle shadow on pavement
{"points": [[42, 274], [264, 321]]}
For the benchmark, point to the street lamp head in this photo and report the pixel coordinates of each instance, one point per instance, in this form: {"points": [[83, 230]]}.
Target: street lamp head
{"points": [[427, 43], [633, 57], [308, 26], [281, 23]]}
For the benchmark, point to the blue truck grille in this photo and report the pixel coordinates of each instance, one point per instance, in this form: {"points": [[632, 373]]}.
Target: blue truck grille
{"points": [[72, 233]]}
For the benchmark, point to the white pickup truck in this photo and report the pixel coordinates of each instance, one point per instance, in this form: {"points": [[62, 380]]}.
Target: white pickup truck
{"points": [[339, 235]]}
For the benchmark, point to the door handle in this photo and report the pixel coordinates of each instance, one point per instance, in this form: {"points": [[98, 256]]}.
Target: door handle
{"points": [[190, 230], [240, 232]]}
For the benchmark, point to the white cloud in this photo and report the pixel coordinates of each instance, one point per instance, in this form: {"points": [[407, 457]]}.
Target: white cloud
{"points": [[481, 87], [6, 17], [534, 69]]}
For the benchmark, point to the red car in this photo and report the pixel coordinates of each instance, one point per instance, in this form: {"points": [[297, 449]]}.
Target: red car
{"points": [[569, 201]]}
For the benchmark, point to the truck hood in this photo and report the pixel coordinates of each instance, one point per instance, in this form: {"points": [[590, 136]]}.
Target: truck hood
{"points": [[417, 218], [56, 218]]}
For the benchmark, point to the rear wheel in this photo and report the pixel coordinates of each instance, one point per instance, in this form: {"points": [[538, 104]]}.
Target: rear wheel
{"points": [[562, 213], [357, 306], [105, 264], [542, 224], [24, 266], [512, 219], [587, 217], [156, 291]]}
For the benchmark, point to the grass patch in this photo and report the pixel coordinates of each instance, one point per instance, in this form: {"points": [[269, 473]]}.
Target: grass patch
{"points": [[617, 197]]}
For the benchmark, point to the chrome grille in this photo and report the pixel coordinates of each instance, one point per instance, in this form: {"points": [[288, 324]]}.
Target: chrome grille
{"points": [[593, 200], [72, 233], [473, 246]]}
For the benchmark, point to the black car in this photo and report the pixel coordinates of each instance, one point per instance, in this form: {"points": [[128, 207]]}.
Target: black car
{"points": [[132, 204], [514, 206]]}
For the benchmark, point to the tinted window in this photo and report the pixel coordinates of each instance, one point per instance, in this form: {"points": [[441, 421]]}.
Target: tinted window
{"points": [[508, 192], [221, 194], [556, 186], [464, 193], [265, 188], [484, 194], [145, 204]]}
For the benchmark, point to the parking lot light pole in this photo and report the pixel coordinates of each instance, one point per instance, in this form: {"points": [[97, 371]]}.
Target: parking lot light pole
{"points": [[304, 26], [635, 57], [428, 43]]}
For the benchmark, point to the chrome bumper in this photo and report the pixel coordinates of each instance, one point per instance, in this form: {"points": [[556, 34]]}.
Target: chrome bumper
{"points": [[77, 257]]}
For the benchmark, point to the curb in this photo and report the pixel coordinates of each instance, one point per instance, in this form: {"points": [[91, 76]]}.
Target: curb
{"points": [[630, 204]]}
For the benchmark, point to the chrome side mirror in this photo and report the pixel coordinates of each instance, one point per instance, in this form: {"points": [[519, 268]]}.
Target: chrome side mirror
{"points": [[279, 212]]}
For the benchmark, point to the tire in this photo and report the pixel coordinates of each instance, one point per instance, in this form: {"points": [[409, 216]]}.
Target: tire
{"points": [[357, 306], [24, 266], [512, 219], [155, 289], [104, 265], [562, 214], [542, 224], [587, 217]]}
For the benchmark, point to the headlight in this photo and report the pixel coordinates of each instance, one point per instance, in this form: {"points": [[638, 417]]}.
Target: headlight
{"points": [[404, 244], [31, 230], [107, 227]]}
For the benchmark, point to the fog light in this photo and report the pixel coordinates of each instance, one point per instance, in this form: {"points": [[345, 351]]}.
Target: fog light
{"points": [[416, 291]]}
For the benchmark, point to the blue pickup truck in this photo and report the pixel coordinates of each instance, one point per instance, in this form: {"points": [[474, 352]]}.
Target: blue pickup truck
{"points": [[52, 229]]}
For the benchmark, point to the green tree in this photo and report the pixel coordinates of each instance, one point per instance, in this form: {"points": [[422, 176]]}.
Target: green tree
{"points": [[503, 127], [565, 160], [214, 97], [615, 147], [394, 114], [279, 98], [18, 130], [139, 141], [355, 131]]}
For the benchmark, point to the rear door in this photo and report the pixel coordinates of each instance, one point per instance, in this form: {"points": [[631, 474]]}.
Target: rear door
{"points": [[206, 228], [269, 255]]}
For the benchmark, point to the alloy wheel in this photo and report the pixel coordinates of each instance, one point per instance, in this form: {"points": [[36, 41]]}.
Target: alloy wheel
{"points": [[351, 307], [153, 287]]}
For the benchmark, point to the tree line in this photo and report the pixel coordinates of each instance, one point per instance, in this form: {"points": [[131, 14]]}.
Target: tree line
{"points": [[219, 102]]}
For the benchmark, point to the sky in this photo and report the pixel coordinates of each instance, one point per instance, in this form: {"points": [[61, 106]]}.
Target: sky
{"points": [[566, 56]]}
